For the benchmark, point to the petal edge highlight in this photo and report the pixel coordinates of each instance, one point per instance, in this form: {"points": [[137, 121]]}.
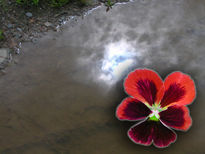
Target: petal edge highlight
{"points": [[141, 133], [148, 131]]}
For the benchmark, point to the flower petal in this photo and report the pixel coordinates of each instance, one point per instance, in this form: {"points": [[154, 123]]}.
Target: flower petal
{"points": [[148, 131], [163, 136], [179, 89], [141, 133], [145, 85], [132, 109], [176, 117]]}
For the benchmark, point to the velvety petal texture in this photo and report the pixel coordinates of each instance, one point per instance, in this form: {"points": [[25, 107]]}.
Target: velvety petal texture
{"points": [[142, 133], [145, 85], [148, 131], [132, 109], [179, 89], [176, 117], [163, 136]]}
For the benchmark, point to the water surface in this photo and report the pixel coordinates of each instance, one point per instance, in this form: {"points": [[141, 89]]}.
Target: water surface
{"points": [[61, 96]]}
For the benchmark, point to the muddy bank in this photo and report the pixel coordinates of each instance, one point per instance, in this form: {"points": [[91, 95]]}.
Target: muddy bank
{"points": [[26, 24]]}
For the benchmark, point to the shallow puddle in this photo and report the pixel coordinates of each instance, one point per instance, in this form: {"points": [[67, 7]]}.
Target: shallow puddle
{"points": [[61, 96]]}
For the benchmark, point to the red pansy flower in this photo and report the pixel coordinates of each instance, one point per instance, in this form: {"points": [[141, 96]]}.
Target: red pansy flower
{"points": [[160, 104]]}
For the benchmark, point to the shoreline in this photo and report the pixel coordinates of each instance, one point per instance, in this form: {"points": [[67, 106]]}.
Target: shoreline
{"points": [[27, 25]]}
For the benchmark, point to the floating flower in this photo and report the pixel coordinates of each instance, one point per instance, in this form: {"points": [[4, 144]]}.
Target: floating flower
{"points": [[160, 104]]}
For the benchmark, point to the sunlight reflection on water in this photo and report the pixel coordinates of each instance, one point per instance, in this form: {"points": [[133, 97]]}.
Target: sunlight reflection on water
{"points": [[119, 57]]}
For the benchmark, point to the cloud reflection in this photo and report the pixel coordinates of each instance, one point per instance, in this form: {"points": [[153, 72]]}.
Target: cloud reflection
{"points": [[119, 57]]}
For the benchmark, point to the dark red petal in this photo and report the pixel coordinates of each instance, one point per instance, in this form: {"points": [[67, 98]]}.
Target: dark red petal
{"points": [[141, 133], [145, 85], [132, 109], [179, 89], [163, 136], [148, 131], [176, 117]]}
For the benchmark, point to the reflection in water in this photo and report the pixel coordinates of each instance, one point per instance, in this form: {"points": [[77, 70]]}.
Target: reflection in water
{"points": [[52, 103], [119, 56]]}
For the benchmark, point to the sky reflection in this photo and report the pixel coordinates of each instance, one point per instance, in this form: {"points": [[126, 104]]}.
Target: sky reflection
{"points": [[119, 57]]}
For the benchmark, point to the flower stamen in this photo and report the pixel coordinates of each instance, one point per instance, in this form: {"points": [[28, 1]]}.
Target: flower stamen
{"points": [[154, 115]]}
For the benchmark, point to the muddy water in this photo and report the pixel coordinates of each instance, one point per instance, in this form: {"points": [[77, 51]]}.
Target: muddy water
{"points": [[61, 96]]}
